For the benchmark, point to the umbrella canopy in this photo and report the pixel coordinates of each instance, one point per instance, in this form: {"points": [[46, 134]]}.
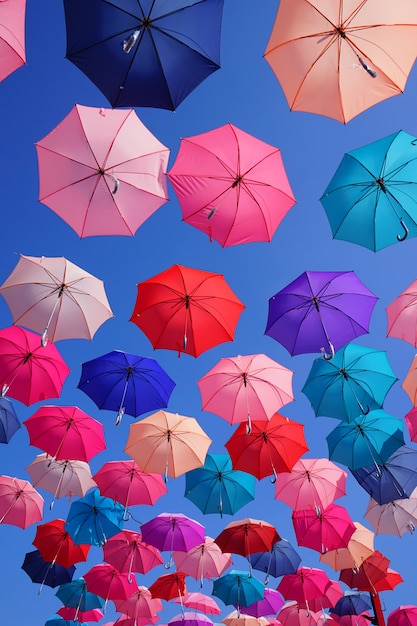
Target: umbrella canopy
{"points": [[9, 422], [247, 536], [55, 298], [56, 545], [174, 444], [186, 310], [108, 583], [279, 560], [404, 615], [76, 595], [237, 618], [238, 588], [359, 547], [393, 518], [173, 531], [199, 602], [352, 603], [270, 604], [231, 185], [140, 606], [218, 488], [320, 311], [169, 586], [12, 36], [190, 618], [411, 423], [20, 504], [271, 447], [409, 385], [372, 570], [65, 432], [292, 614], [59, 621], [30, 372], [402, 314], [355, 381], [123, 382], [46, 573], [389, 582], [127, 552], [98, 166], [329, 529], [93, 615], [94, 519], [205, 560], [306, 584], [340, 60]]}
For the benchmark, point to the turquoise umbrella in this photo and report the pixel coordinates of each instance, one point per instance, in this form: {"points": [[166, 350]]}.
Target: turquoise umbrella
{"points": [[238, 588], [372, 198], [94, 518]]}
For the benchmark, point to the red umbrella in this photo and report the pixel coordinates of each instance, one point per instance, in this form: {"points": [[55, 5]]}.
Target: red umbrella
{"points": [[329, 529], [169, 586], [271, 447], [105, 581], [186, 310], [29, 372], [391, 580], [20, 504], [128, 553], [57, 546], [372, 570], [247, 537], [306, 584]]}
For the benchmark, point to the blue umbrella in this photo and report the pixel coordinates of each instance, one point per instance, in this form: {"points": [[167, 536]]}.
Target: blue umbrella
{"points": [[94, 518], [144, 53], [126, 383], [9, 423], [352, 603], [75, 595], [50, 574], [217, 488], [238, 588], [281, 559], [56, 620]]}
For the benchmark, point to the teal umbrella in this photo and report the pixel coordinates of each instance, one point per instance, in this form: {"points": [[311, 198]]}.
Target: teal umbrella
{"points": [[372, 198], [366, 440], [238, 588], [94, 518], [355, 381], [217, 488]]}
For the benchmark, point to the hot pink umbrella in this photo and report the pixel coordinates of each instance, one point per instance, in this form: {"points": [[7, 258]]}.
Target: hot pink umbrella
{"points": [[65, 432], [404, 615], [411, 423], [333, 593], [20, 504], [70, 613], [231, 185], [306, 584], [128, 553], [140, 605], [329, 529], [205, 560], [12, 36], [29, 372], [199, 602], [102, 171], [359, 547], [105, 581]]}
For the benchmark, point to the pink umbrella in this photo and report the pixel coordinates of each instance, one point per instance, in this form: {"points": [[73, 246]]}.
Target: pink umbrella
{"points": [[199, 602], [12, 36], [306, 584], [29, 372], [353, 620], [102, 171], [20, 504], [205, 560], [169, 531], [105, 581], [411, 423], [65, 432], [231, 185], [140, 605], [405, 615], [271, 604], [70, 613], [329, 529], [333, 593], [292, 614], [128, 553], [359, 547], [402, 315]]}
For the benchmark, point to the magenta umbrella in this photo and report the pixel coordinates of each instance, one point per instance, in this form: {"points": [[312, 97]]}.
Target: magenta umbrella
{"points": [[329, 529], [306, 584], [190, 618], [128, 553], [169, 531], [102, 171], [405, 615], [105, 581], [20, 504], [12, 36]]}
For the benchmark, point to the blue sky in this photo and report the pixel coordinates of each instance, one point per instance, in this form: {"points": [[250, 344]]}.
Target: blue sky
{"points": [[245, 93]]}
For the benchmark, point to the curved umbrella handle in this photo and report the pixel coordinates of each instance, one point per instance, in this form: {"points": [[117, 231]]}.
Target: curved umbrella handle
{"points": [[130, 42], [328, 357], [406, 231], [116, 185], [44, 338], [4, 390]]}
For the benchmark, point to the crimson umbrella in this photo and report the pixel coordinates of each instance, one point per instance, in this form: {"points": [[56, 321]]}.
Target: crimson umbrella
{"points": [[12, 36], [107, 582], [127, 552], [323, 531], [186, 310], [20, 504], [169, 586], [57, 546], [372, 569], [306, 584], [247, 536]]}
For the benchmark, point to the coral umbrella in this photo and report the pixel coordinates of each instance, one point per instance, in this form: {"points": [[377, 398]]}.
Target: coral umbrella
{"points": [[393, 518], [238, 588], [271, 447], [46, 573], [372, 570], [30, 372], [279, 560], [167, 443], [102, 171], [140, 605], [186, 310], [20, 504], [169, 586], [404, 615], [231, 185], [292, 614], [12, 36], [56, 545], [359, 547], [127, 552], [9, 422], [205, 560], [94, 519], [65, 433], [107, 582], [320, 311], [199, 602], [323, 531], [237, 618], [409, 384], [307, 583], [55, 298]]}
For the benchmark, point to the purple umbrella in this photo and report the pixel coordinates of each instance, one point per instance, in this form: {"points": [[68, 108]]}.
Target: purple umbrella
{"points": [[320, 311], [173, 531], [271, 604], [190, 618]]}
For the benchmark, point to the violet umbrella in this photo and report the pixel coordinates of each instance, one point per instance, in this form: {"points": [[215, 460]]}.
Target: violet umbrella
{"points": [[169, 531], [102, 171], [270, 604], [127, 552], [190, 618], [12, 36], [320, 311], [20, 504], [140, 606]]}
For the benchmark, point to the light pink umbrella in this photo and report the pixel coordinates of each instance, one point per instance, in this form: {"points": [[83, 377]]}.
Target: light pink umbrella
{"points": [[199, 602], [329, 529], [402, 315], [140, 606], [394, 518], [102, 171], [128, 553], [20, 504], [205, 560], [55, 298], [231, 185], [105, 581], [12, 36]]}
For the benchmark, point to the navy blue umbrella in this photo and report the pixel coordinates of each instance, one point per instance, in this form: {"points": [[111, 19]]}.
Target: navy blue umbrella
{"points": [[144, 53], [9, 422], [281, 559], [352, 603], [45, 573]]}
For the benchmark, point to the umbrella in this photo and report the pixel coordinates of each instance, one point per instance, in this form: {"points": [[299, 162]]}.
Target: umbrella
{"points": [[279, 560], [140, 606], [158, 53], [367, 439], [102, 171], [391, 580], [59, 621], [61, 478], [56, 545], [237, 618], [247, 536], [93, 615], [340, 60], [409, 384], [246, 386], [127, 552], [190, 618], [352, 603], [404, 615], [108, 583], [307, 583], [173, 531], [393, 518], [372, 570], [356, 380], [174, 444], [126, 383], [270, 448], [411, 423], [231, 185], [20, 504], [359, 547], [169, 586], [46, 573], [12, 36], [94, 519], [75, 595], [320, 311], [205, 560], [9, 422], [186, 310], [402, 315], [238, 588], [270, 604], [29, 372], [312, 483], [332, 595], [218, 488], [326, 530], [292, 614], [199, 602], [55, 298], [66, 433]]}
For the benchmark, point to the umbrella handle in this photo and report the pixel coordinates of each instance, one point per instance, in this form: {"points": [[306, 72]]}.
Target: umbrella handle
{"points": [[130, 42], [116, 185], [406, 231], [366, 67], [44, 338], [328, 357], [119, 415], [4, 390]]}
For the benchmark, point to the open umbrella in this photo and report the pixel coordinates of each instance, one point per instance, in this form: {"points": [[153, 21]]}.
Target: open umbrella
{"points": [[123, 382], [107, 582], [173, 531], [409, 385], [127, 552], [20, 504], [12, 36], [9, 422], [372, 570], [186, 310], [326, 530], [402, 314], [404, 615], [389, 582], [46, 573], [238, 618], [76, 595], [320, 311], [140, 606], [359, 547], [169, 586], [339, 60], [238, 588], [158, 53], [270, 604], [279, 560], [190, 618], [205, 560], [306, 584], [292, 614], [199, 602], [93, 615], [101, 170], [94, 519], [352, 603], [247, 536], [231, 185], [56, 545], [55, 298], [57, 620], [393, 518]]}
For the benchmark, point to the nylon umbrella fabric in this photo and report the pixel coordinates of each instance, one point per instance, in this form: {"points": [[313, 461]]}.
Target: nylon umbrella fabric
{"points": [[190, 618], [60, 621], [411, 423], [56, 545], [186, 310], [173, 531], [55, 298], [409, 383], [404, 615], [389, 582], [107, 582], [307, 583], [355, 381], [281, 559], [169, 586], [393, 518], [94, 519], [247, 536], [292, 614], [402, 315], [12, 37], [140, 606], [198, 601], [76, 595], [231, 185], [341, 60], [351, 603], [127, 552], [44, 572], [9, 422], [158, 52], [372, 570], [93, 615], [320, 311], [238, 588], [330, 529], [97, 166], [359, 547], [271, 604], [205, 560], [20, 504], [239, 618]]}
